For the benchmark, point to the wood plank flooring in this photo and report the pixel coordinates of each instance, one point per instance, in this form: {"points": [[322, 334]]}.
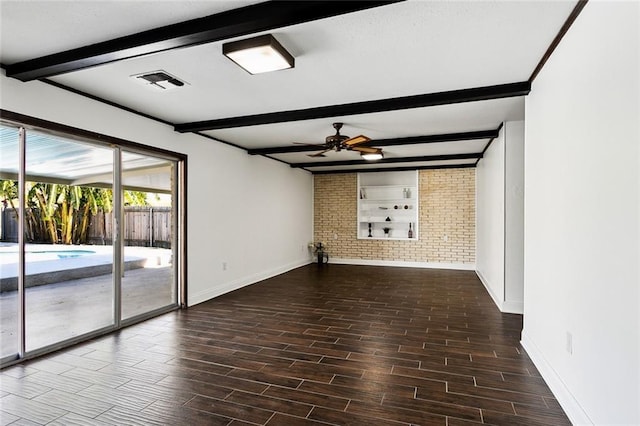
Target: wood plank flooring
{"points": [[332, 344]]}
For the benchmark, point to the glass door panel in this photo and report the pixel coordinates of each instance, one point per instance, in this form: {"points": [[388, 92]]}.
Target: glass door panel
{"points": [[149, 275], [69, 288], [9, 209], [75, 260]]}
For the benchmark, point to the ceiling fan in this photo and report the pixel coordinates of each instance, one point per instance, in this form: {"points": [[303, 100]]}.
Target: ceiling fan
{"points": [[339, 142]]}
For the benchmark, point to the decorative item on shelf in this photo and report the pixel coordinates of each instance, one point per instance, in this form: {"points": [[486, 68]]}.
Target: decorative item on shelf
{"points": [[386, 231], [319, 250], [407, 193], [369, 231], [363, 194], [383, 208], [388, 219], [404, 192], [410, 234]]}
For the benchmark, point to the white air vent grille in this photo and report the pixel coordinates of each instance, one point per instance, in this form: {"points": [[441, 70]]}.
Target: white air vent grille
{"points": [[160, 80]]}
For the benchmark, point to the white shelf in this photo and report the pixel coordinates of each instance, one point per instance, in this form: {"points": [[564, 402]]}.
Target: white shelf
{"points": [[405, 222], [393, 190], [388, 238], [391, 202], [387, 193], [375, 212]]}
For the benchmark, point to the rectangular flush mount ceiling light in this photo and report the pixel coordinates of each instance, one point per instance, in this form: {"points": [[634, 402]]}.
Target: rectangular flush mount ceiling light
{"points": [[259, 54]]}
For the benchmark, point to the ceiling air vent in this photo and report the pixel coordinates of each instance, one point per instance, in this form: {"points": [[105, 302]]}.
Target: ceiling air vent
{"points": [[160, 79]]}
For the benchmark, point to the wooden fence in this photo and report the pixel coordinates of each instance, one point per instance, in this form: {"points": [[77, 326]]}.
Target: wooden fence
{"points": [[143, 226]]}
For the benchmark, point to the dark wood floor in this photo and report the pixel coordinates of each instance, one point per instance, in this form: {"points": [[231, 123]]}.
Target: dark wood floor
{"points": [[341, 345]]}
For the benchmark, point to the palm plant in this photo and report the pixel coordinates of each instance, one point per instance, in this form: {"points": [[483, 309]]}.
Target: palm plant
{"points": [[57, 213]]}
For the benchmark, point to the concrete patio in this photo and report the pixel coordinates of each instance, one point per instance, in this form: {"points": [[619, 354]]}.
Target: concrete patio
{"points": [[70, 304]]}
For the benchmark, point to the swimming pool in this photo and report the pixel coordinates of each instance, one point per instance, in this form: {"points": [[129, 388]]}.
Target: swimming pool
{"points": [[64, 254], [11, 256]]}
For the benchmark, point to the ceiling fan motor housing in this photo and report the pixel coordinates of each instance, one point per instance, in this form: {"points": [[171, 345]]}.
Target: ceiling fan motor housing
{"points": [[335, 141], [339, 142]]}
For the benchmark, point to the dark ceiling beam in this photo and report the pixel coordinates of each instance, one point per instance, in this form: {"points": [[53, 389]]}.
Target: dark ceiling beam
{"points": [[406, 102], [486, 147], [556, 41], [395, 169], [444, 157], [131, 110], [233, 23], [285, 149], [491, 140], [445, 137]]}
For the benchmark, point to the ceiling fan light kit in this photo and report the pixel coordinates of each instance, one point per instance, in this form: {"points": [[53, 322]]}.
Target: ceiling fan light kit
{"points": [[259, 54], [371, 156]]}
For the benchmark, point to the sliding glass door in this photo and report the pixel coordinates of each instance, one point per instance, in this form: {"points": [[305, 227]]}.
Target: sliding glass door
{"points": [[9, 302], [149, 277], [68, 282], [89, 238]]}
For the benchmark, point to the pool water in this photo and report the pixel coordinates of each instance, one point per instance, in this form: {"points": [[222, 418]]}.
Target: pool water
{"points": [[7, 257], [65, 254]]}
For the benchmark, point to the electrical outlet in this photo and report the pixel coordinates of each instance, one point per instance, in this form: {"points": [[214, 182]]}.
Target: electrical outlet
{"points": [[569, 343]]}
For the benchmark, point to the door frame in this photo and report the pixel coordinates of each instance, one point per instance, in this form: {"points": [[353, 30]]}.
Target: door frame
{"points": [[26, 123]]}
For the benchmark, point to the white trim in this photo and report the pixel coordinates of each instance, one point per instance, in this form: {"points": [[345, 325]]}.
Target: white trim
{"points": [[512, 307], [495, 297], [569, 404], [211, 293], [506, 306], [458, 266]]}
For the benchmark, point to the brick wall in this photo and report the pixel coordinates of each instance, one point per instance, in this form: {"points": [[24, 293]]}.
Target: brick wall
{"points": [[446, 224]]}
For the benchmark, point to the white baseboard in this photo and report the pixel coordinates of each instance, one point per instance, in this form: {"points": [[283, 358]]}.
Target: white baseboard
{"points": [[496, 299], [511, 307], [227, 287], [203, 296], [506, 306], [405, 264], [571, 406]]}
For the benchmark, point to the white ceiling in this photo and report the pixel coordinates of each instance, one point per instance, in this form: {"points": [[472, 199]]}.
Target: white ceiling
{"points": [[396, 50]]}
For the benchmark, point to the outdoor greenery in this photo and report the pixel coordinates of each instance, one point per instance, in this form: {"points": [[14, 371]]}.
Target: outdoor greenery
{"points": [[61, 214]]}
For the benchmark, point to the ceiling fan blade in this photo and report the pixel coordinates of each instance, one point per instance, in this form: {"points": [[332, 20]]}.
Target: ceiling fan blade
{"points": [[356, 140], [308, 144], [367, 149], [319, 154]]}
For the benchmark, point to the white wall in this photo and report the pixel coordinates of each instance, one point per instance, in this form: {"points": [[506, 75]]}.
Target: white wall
{"points": [[514, 217], [499, 218], [582, 197], [490, 210], [248, 211]]}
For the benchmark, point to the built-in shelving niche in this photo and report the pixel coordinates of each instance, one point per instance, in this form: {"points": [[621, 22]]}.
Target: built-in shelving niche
{"points": [[388, 205]]}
